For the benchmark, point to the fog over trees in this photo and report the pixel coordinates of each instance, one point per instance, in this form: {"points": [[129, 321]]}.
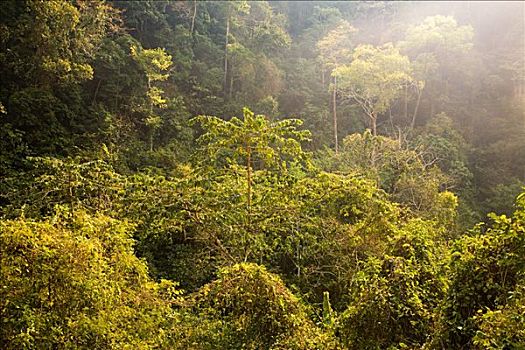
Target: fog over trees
{"points": [[262, 175]]}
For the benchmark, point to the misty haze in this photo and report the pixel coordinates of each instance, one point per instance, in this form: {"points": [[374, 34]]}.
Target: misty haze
{"points": [[303, 175]]}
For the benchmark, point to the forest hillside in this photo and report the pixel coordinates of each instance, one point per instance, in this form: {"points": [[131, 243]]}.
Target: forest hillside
{"points": [[262, 175]]}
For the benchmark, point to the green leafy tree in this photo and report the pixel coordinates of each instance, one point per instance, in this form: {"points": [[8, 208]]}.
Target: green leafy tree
{"points": [[61, 38], [255, 37], [232, 9], [254, 142], [486, 267], [374, 79], [155, 63], [394, 295], [436, 46], [409, 174], [256, 310], [73, 282], [503, 328], [47, 52], [334, 51]]}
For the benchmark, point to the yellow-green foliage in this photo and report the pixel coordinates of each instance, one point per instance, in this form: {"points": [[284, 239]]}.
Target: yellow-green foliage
{"points": [[62, 36], [401, 171], [109, 193], [253, 141], [73, 282], [441, 35], [394, 296], [256, 311], [375, 77], [486, 268], [503, 328], [335, 48]]}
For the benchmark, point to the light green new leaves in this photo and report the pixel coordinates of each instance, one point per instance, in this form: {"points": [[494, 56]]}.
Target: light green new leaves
{"points": [[155, 63], [335, 48], [439, 34], [375, 77], [269, 144]]}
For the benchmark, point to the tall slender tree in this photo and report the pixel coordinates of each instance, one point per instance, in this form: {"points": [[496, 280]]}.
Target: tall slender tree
{"points": [[335, 50], [374, 79]]}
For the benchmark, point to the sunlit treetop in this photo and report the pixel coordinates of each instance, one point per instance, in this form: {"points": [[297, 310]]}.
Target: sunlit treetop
{"points": [[439, 34]]}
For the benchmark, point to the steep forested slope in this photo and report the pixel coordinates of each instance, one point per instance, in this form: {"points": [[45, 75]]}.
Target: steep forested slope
{"points": [[262, 175]]}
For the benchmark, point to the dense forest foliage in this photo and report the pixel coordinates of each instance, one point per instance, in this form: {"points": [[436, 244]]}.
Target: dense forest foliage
{"points": [[262, 175]]}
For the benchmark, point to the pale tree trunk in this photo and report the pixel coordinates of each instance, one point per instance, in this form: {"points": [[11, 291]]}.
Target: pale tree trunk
{"points": [[416, 108], [406, 101], [96, 92], [225, 80], [431, 97], [151, 127], [334, 112], [230, 90], [151, 136], [431, 106], [193, 17], [373, 122]]}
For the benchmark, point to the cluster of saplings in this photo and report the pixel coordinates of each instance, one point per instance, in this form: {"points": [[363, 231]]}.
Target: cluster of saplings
{"points": [[128, 223]]}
